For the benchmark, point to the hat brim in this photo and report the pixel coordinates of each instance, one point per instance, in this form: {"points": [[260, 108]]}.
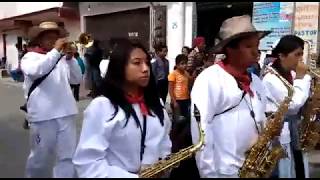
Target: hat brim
{"points": [[219, 47], [35, 31]]}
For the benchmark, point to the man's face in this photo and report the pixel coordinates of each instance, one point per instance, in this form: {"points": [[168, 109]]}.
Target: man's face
{"points": [[69, 55], [70, 52], [163, 53], [247, 52], [48, 39]]}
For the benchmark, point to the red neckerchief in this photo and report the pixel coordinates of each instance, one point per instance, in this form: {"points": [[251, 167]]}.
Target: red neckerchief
{"points": [[140, 100], [243, 79], [38, 50], [289, 78]]}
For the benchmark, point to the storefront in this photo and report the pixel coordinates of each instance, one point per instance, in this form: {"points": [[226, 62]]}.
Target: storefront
{"points": [[109, 28], [170, 23]]}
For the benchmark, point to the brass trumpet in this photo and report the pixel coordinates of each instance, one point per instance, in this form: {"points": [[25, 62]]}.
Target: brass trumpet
{"points": [[69, 47], [86, 40]]}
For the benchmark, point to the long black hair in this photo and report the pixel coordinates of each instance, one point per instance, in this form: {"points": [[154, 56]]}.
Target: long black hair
{"points": [[286, 45], [114, 81]]}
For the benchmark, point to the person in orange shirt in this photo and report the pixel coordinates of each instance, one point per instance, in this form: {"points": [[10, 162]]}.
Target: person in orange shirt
{"points": [[178, 86], [179, 92]]}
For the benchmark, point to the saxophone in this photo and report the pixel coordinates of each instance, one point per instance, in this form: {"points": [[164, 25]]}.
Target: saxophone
{"points": [[173, 160], [310, 125], [262, 157]]}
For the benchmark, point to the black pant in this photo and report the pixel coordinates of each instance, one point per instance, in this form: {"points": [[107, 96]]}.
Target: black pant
{"points": [[75, 88], [299, 165], [182, 110], [96, 81], [163, 89], [184, 106], [181, 138]]}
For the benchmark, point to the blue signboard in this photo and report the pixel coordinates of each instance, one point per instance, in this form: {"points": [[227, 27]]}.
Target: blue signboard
{"points": [[275, 17]]}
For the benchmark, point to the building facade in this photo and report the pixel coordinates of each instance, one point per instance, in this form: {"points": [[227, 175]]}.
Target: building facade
{"points": [[17, 17], [172, 23], [150, 22]]}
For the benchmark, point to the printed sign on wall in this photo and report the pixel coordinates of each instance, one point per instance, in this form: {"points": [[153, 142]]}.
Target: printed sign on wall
{"points": [[306, 22], [275, 17]]}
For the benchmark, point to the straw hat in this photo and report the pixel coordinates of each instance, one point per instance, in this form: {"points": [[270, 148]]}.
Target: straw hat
{"points": [[234, 28], [46, 26]]}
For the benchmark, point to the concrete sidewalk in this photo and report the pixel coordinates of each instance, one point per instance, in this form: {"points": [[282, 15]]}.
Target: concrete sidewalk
{"points": [[314, 157], [8, 81]]}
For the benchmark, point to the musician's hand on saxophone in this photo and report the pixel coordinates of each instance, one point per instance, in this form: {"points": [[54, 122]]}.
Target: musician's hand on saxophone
{"points": [[277, 131], [301, 70]]}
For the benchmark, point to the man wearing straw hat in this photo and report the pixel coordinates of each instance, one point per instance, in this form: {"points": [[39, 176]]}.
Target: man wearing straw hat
{"points": [[51, 107], [231, 101]]}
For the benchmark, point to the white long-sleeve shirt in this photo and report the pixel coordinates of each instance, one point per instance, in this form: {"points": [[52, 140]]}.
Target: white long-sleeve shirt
{"points": [[75, 70], [53, 97], [107, 148], [104, 67], [278, 92], [229, 135]]}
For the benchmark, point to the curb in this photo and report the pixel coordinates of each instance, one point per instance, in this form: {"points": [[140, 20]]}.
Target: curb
{"points": [[9, 81]]}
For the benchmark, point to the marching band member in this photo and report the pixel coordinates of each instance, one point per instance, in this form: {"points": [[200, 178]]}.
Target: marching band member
{"points": [[52, 120], [231, 101], [125, 128], [288, 53]]}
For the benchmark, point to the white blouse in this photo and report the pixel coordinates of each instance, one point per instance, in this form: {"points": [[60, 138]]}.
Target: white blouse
{"points": [[229, 135], [107, 148], [278, 91]]}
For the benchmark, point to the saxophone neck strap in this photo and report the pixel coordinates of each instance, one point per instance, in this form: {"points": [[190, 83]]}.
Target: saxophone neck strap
{"points": [[143, 137]]}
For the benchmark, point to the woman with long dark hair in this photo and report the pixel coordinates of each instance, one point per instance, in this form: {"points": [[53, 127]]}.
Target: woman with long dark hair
{"points": [[125, 128], [288, 55]]}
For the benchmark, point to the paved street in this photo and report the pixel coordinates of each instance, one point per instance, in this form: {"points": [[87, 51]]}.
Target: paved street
{"points": [[14, 139]]}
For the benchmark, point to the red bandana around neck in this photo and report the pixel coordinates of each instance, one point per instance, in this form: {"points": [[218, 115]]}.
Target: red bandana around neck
{"points": [[133, 99], [38, 50], [289, 78], [243, 79]]}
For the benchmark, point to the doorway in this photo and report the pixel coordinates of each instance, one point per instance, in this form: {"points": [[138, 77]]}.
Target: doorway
{"points": [[110, 28], [210, 16]]}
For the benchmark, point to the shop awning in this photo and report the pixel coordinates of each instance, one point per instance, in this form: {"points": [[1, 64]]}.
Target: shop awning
{"points": [[56, 14]]}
